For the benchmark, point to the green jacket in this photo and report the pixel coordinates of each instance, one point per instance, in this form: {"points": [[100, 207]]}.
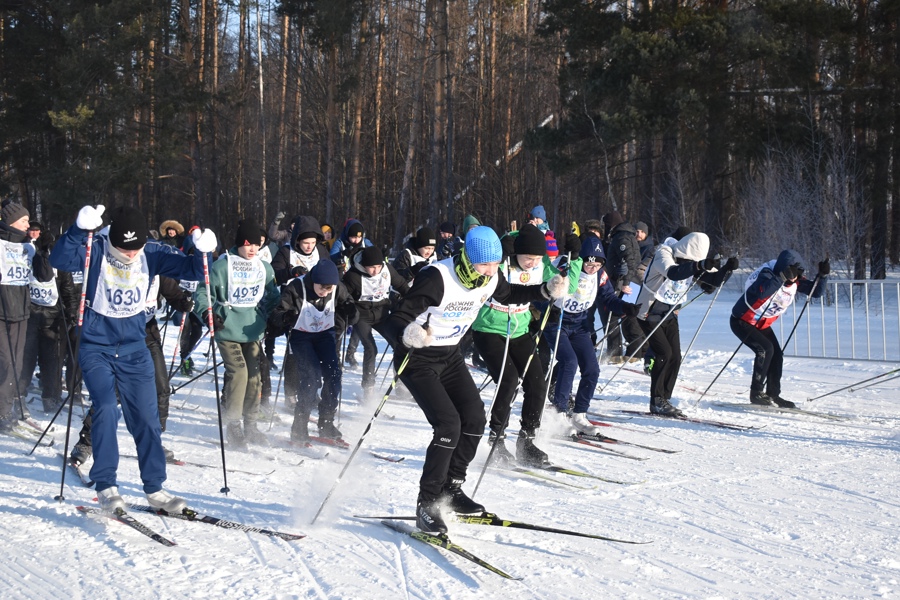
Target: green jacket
{"points": [[236, 324], [492, 320]]}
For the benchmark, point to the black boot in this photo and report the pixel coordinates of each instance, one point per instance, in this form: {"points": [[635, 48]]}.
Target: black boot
{"points": [[662, 407], [527, 453], [327, 428], [300, 428], [428, 516], [501, 457], [458, 502], [761, 399], [781, 402]]}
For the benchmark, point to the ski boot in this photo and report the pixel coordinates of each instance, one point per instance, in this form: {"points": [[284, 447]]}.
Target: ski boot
{"points": [[527, 453], [163, 500], [781, 402], [327, 428], [110, 500], [761, 399], [580, 422], [300, 428], [428, 516], [501, 457], [662, 407], [253, 435], [81, 453], [234, 435], [457, 501]]}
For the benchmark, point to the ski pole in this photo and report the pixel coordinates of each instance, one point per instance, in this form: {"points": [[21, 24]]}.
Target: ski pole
{"points": [[696, 333], [184, 317], [84, 282], [362, 437], [287, 353], [652, 331], [212, 348], [854, 385], [733, 354], [803, 310], [513, 398]]}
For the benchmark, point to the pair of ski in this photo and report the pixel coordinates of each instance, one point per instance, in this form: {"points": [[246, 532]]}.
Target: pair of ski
{"points": [[441, 540], [698, 421], [780, 409], [187, 514], [581, 437]]}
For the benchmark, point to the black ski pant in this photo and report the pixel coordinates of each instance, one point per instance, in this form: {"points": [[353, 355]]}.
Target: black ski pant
{"points": [[190, 335], [769, 359], [666, 345], [73, 369], [441, 384], [43, 347], [12, 349], [491, 346], [363, 328]]}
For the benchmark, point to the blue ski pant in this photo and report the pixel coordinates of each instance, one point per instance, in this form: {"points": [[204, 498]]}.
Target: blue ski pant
{"points": [[131, 376], [574, 352]]}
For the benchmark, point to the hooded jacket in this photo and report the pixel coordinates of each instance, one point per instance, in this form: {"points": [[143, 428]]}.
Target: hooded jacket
{"points": [[766, 295], [281, 261], [674, 261], [623, 248], [342, 249]]}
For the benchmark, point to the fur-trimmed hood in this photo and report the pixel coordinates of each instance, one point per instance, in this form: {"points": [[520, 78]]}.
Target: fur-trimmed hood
{"points": [[171, 224]]}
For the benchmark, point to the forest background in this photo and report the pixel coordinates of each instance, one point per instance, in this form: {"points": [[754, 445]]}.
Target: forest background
{"points": [[767, 124]]}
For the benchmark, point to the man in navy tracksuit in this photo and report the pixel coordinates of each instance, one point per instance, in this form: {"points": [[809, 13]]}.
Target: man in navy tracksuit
{"points": [[113, 355], [769, 291]]}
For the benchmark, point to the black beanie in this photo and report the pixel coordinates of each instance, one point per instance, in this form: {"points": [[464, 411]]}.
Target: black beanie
{"points": [[371, 256], [448, 227], [354, 230], [424, 237], [612, 219], [530, 240], [127, 228], [247, 234]]}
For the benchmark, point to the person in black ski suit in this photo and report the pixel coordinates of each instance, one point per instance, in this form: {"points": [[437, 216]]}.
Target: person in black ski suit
{"points": [[622, 262], [429, 322]]}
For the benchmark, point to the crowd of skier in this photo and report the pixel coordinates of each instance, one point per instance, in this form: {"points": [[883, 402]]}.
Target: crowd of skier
{"points": [[532, 307]]}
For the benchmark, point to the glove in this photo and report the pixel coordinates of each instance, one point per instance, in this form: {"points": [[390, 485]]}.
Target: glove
{"points": [[298, 271], [557, 287], [416, 336], [90, 218], [825, 267], [562, 265], [622, 271], [631, 310], [573, 244], [289, 319], [731, 264], [710, 264], [218, 322], [789, 273], [279, 217], [508, 244], [188, 305], [205, 241], [44, 241]]}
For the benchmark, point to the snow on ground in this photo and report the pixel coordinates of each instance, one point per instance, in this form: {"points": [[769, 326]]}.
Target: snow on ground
{"points": [[803, 507]]}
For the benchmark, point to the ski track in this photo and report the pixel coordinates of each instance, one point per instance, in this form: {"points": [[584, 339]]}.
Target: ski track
{"points": [[804, 507]]}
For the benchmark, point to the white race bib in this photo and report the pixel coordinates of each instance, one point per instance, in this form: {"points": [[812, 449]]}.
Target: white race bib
{"points": [[44, 293], [16, 261], [121, 289], [246, 281]]}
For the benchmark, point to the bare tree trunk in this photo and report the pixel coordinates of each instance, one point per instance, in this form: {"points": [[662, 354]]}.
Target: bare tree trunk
{"points": [[282, 108], [331, 116], [438, 123], [414, 128], [262, 118], [356, 142]]}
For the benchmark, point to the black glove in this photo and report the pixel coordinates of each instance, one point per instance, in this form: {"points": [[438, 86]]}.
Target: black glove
{"points": [[825, 267], [298, 271], [218, 322], [789, 273], [631, 310], [573, 244], [188, 304], [289, 319], [508, 244], [731, 264], [710, 263], [44, 241], [622, 271]]}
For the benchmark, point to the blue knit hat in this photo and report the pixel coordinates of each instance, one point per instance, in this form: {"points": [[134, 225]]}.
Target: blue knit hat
{"points": [[592, 250], [325, 273], [483, 245], [538, 212]]}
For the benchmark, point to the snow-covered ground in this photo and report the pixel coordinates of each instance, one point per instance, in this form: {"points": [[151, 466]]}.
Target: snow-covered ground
{"points": [[804, 507]]}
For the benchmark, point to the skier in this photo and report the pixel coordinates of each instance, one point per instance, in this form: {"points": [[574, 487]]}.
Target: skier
{"points": [[243, 294], [19, 260], [667, 280], [429, 322], [624, 258], [527, 266], [315, 308], [352, 240], [113, 356], [369, 281], [768, 292], [572, 336], [419, 251]]}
